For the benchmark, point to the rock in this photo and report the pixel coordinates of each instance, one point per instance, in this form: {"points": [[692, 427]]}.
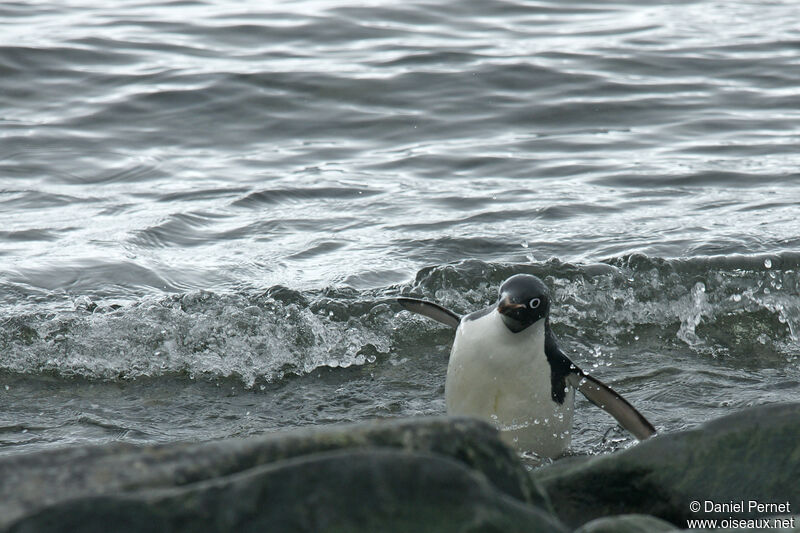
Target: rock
{"points": [[364, 490], [750, 455], [134, 481], [627, 523]]}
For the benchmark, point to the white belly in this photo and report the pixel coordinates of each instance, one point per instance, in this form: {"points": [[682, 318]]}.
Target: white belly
{"points": [[504, 378]]}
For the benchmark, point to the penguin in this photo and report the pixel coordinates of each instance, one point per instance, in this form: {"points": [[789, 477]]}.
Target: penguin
{"points": [[506, 367]]}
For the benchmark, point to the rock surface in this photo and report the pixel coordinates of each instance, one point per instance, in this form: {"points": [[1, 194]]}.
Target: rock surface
{"points": [[364, 490], [750, 455], [627, 523], [424, 475]]}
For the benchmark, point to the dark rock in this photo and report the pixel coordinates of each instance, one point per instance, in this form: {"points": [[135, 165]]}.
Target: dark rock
{"points": [[750, 455], [366, 490], [126, 477], [627, 523]]}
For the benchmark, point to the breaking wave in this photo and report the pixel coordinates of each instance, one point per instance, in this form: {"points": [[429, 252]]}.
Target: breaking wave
{"points": [[744, 308]]}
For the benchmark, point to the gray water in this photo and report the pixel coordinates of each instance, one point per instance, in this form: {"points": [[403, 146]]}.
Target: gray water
{"points": [[206, 208]]}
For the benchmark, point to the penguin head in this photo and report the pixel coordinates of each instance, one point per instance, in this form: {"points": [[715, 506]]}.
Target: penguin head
{"points": [[524, 300]]}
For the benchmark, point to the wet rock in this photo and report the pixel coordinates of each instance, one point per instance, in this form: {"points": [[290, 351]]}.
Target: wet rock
{"points": [[365, 490], [166, 485], [627, 523], [750, 455]]}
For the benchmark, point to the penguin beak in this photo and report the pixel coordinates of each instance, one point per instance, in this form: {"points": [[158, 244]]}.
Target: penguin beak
{"points": [[508, 308], [512, 314]]}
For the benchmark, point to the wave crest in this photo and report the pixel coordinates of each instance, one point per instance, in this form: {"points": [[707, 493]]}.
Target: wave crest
{"points": [[747, 308]]}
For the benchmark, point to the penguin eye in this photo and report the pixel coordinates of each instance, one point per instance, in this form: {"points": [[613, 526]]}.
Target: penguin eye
{"points": [[533, 304]]}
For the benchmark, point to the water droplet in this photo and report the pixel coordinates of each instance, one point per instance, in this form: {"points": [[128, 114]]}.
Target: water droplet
{"points": [[524, 244], [636, 337], [737, 297], [699, 287], [766, 290], [262, 387], [768, 263], [7, 387]]}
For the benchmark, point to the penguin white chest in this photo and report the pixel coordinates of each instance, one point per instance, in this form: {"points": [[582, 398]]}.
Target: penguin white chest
{"points": [[505, 378]]}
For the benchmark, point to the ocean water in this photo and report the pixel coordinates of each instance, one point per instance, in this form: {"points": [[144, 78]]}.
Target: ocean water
{"points": [[207, 207]]}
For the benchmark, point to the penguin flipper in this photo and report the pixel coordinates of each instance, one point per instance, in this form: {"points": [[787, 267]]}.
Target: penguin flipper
{"points": [[610, 401], [431, 310]]}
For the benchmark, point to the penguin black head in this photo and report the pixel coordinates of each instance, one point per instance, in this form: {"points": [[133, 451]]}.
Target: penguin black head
{"points": [[524, 300]]}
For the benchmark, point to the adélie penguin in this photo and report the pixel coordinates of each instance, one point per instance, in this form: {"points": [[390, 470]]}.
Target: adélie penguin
{"points": [[506, 367]]}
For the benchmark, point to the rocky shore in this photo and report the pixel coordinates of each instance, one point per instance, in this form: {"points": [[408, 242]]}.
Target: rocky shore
{"points": [[427, 474]]}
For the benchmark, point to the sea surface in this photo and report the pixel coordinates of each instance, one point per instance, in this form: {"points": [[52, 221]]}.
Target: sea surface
{"points": [[207, 207]]}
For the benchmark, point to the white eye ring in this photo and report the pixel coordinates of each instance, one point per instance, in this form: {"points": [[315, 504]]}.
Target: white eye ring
{"points": [[533, 304]]}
